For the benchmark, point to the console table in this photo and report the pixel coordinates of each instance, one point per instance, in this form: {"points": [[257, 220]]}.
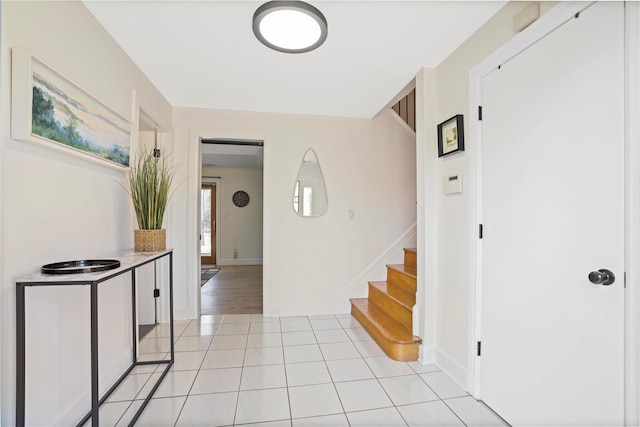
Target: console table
{"points": [[129, 262]]}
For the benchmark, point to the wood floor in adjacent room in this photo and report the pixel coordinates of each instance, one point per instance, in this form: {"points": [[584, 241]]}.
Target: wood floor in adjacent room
{"points": [[235, 289]]}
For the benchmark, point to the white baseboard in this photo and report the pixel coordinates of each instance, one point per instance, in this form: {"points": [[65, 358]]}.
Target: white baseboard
{"points": [[183, 314], [79, 409], [451, 367], [247, 261], [358, 287], [426, 355], [307, 310], [343, 306]]}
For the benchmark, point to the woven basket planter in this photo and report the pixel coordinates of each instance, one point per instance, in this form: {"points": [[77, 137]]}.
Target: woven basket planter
{"points": [[150, 240]]}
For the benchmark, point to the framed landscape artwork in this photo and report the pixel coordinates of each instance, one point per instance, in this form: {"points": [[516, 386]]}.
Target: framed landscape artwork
{"points": [[51, 110], [451, 136]]}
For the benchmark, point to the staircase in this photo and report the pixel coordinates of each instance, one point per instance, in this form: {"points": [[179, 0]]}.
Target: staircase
{"points": [[387, 313], [406, 109]]}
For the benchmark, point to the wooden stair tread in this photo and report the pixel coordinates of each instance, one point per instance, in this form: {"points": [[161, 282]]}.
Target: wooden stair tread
{"points": [[395, 293], [390, 330], [387, 315], [411, 257], [409, 270]]}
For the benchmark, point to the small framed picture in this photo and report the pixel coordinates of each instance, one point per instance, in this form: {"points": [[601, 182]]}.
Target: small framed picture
{"points": [[451, 136]]}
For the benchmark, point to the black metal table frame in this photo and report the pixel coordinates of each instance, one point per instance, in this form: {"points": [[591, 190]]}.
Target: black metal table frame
{"points": [[96, 401]]}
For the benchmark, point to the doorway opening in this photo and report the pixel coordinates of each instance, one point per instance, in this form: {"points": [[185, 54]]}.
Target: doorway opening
{"points": [[146, 276], [231, 226]]}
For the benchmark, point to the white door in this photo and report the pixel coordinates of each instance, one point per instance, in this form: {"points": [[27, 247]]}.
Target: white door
{"points": [[552, 209]]}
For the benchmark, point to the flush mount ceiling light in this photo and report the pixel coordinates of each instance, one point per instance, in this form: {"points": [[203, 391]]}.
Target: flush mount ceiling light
{"points": [[290, 26]]}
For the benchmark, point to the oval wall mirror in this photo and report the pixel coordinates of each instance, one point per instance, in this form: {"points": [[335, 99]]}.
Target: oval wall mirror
{"points": [[309, 192]]}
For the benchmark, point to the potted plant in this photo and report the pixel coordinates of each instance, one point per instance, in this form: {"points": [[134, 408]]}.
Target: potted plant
{"points": [[150, 179]]}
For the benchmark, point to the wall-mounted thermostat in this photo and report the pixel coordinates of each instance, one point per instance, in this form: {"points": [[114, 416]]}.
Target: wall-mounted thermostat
{"points": [[453, 184]]}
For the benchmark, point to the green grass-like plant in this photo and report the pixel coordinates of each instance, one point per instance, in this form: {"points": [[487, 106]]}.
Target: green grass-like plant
{"points": [[150, 180]]}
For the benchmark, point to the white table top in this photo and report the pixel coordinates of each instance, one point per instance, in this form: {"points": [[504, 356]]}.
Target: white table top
{"points": [[128, 259]]}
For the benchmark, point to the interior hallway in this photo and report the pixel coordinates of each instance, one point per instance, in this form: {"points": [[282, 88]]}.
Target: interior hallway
{"points": [[235, 289]]}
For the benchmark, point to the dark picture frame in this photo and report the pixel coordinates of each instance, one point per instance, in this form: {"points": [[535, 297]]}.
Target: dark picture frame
{"points": [[451, 136]]}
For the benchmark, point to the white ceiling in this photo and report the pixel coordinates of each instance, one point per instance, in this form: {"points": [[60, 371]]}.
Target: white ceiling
{"points": [[204, 54]]}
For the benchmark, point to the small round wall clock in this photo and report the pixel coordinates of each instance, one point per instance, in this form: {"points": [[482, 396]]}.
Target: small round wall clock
{"points": [[240, 199]]}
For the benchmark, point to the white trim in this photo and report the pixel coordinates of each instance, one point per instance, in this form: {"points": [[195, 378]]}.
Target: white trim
{"points": [[632, 244], [296, 310], [551, 20], [2, 335], [163, 139], [474, 250], [546, 24], [341, 300], [428, 185], [135, 123], [247, 261], [79, 408], [402, 123], [426, 354], [197, 287], [194, 183], [147, 114], [183, 313], [451, 367]]}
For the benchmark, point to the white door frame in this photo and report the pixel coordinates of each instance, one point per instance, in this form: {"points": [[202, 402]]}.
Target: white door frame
{"points": [[520, 42], [194, 185], [632, 212], [145, 111]]}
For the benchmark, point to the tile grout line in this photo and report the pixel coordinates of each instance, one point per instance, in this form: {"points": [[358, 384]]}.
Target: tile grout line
{"points": [[235, 411], [286, 376], [376, 378], [335, 387], [454, 412], [342, 327], [194, 379]]}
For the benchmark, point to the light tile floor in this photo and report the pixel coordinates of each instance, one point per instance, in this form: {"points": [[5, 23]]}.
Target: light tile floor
{"points": [[303, 371]]}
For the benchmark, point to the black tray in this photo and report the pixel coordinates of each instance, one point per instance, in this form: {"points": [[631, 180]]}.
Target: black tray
{"points": [[80, 266]]}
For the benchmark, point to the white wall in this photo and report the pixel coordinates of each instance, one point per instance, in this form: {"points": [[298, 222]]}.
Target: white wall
{"points": [[451, 211], [368, 166], [427, 222], [2, 60], [238, 228], [57, 207]]}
